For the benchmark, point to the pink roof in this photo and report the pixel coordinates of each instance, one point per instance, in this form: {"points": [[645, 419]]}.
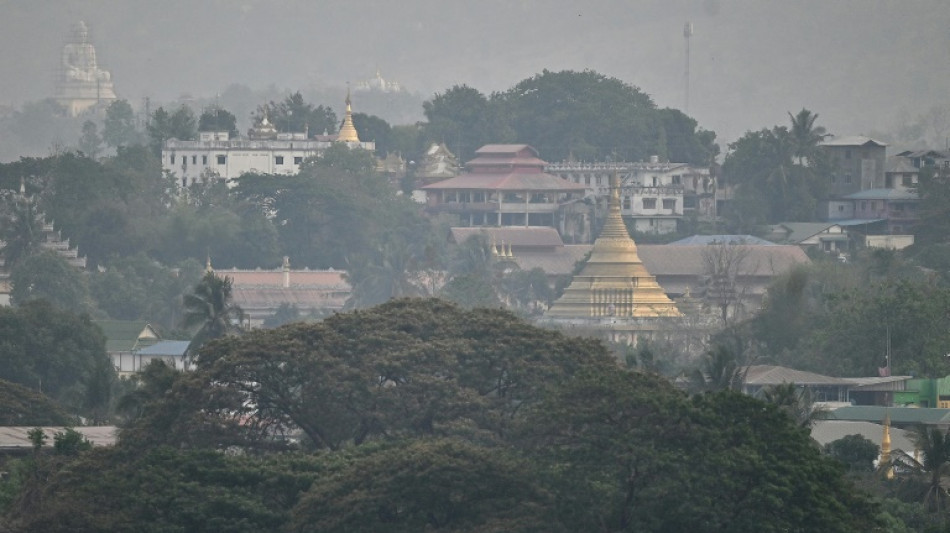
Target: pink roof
{"points": [[514, 181], [506, 149], [275, 278], [512, 161]]}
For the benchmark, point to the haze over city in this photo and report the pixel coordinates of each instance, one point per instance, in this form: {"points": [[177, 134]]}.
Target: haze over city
{"points": [[863, 66]]}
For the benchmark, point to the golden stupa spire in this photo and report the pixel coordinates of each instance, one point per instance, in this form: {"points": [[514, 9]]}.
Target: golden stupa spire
{"points": [[885, 462], [614, 282], [208, 268], [348, 130]]}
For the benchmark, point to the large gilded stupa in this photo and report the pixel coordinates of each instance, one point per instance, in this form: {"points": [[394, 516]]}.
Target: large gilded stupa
{"points": [[613, 284]]}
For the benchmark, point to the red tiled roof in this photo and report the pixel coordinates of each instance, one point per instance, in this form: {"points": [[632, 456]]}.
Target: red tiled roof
{"points": [[509, 182], [514, 161], [505, 149], [275, 278]]}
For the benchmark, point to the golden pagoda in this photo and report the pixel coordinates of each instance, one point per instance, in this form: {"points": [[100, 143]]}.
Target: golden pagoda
{"points": [[348, 131], [885, 461], [614, 282]]}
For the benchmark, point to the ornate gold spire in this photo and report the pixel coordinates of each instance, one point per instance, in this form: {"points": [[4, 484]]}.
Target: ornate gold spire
{"points": [[885, 462], [614, 281], [348, 131]]}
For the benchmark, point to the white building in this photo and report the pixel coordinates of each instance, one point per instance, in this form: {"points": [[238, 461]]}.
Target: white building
{"points": [[654, 194], [216, 155]]}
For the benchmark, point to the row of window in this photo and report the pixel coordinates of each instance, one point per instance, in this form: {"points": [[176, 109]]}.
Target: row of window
{"points": [[650, 203], [598, 180], [223, 159]]}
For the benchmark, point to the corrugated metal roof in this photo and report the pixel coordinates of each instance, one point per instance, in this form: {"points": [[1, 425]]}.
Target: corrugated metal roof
{"points": [[800, 231], [825, 431], [898, 164], [680, 260], [853, 140], [176, 348], [723, 239], [899, 415], [884, 194], [16, 436], [762, 375]]}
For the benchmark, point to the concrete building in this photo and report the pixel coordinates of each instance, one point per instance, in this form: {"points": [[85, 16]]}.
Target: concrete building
{"points": [[655, 195], [505, 185], [217, 156], [858, 164]]}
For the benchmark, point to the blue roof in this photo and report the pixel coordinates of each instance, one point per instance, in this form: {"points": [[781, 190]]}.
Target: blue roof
{"points": [[176, 348], [724, 239], [858, 221]]}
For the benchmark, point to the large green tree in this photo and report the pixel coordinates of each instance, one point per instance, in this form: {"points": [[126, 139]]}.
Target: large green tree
{"points": [[47, 276], [52, 351], [217, 118], [119, 127]]}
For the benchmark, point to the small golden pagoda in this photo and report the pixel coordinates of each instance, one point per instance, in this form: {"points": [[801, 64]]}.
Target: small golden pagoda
{"points": [[613, 282], [885, 461], [348, 131]]}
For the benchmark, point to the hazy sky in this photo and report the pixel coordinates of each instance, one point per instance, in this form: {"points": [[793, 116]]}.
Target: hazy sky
{"points": [[859, 64]]}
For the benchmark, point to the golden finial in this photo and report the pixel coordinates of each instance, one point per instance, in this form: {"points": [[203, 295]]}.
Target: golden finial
{"points": [[208, 268]]}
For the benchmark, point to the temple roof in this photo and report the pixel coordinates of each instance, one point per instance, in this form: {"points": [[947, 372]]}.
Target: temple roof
{"points": [[514, 181], [613, 282]]}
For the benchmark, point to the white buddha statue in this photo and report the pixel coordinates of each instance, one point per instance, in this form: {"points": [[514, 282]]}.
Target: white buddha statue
{"points": [[79, 58]]}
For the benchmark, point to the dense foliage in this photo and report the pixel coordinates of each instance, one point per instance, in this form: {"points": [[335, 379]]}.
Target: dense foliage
{"points": [[423, 416]]}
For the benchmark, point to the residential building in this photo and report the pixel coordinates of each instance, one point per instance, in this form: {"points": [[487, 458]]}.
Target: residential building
{"points": [[505, 185], [215, 155], [655, 195], [823, 236], [858, 164], [123, 340], [897, 207], [825, 389]]}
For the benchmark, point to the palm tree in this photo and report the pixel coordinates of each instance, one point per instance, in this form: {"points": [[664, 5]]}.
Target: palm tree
{"points": [[797, 402], [211, 310], [934, 445], [805, 135], [720, 370], [390, 273]]}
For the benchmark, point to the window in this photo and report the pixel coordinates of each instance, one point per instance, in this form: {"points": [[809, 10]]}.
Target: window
{"points": [[194, 160], [626, 202], [669, 203], [204, 160], [222, 159], [676, 180], [907, 181], [298, 160], [279, 160], [847, 178], [840, 208], [654, 181], [864, 205], [171, 159], [598, 180], [586, 180], [649, 203], [847, 154]]}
